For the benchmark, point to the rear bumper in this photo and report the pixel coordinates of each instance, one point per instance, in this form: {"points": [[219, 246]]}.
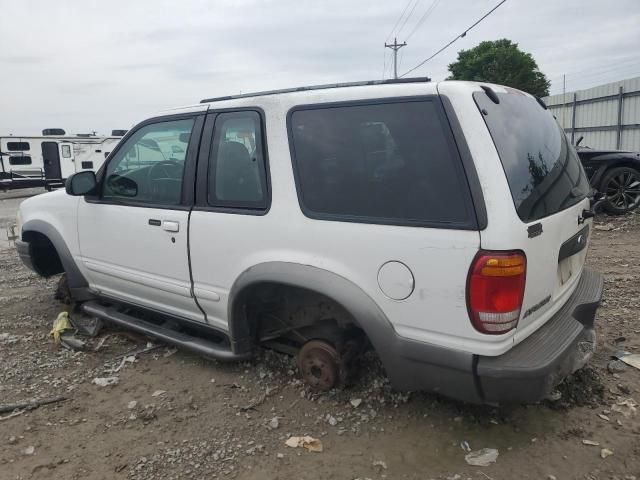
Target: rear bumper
{"points": [[526, 373], [530, 370]]}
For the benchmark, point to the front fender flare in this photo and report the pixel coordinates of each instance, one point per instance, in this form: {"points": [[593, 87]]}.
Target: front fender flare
{"points": [[75, 279]]}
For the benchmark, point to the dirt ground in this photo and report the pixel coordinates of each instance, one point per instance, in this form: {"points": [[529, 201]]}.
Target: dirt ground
{"points": [[173, 415]]}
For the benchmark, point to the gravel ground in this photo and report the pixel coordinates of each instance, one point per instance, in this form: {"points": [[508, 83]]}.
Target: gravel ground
{"points": [[173, 415]]}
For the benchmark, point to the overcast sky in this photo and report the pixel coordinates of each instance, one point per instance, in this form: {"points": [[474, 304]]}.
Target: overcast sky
{"points": [[101, 65]]}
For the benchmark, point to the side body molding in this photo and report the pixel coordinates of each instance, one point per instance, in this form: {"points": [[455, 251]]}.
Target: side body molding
{"points": [[75, 279]]}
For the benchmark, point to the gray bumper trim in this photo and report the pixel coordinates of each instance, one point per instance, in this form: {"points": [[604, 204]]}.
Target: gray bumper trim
{"points": [[531, 369], [527, 373]]}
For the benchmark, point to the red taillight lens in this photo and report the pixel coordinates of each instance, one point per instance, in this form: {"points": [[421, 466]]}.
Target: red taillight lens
{"points": [[495, 288]]}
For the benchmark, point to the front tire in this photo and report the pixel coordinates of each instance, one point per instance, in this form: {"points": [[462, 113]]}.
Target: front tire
{"points": [[621, 187]]}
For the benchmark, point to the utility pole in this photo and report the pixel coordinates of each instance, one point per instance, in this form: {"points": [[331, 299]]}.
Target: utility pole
{"points": [[395, 46]]}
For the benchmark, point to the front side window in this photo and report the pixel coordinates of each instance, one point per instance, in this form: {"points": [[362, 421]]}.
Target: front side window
{"points": [[150, 165], [379, 163], [18, 146], [237, 171], [66, 151]]}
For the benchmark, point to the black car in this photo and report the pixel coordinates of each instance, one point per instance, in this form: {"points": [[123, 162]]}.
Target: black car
{"points": [[616, 174]]}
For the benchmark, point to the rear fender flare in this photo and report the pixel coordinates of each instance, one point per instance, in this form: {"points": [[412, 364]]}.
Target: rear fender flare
{"points": [[361, 306]]}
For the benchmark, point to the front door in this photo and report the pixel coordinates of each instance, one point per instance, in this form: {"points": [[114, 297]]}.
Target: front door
{"points": [[133, 234], [51, 160]]}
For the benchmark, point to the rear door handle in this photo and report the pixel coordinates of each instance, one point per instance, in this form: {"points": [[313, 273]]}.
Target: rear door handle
{"points": [[170, 226]]}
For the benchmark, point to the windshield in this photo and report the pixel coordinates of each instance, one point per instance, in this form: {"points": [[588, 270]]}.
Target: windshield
{"points": [[543, 170]]}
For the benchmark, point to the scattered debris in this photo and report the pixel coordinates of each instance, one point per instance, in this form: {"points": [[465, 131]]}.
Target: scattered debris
{"points": [[465, 446], [616, 366], [60, 325], [252, 406], [380, 465], [274, 423], [106, 381], [30, 450], [13, 440], [590, 442], [355, 402], [605, 452], [72, 342], [632, 359], [85, 324], [482, 458], [157, 393], [132, 404], [30, 405], [626, 407], [12, 414], [603, 417], [310, 443], [604, 228]]}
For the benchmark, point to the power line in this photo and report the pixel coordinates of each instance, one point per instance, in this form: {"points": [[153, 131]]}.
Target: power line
{"points": [[463, 34], [426, 15], [398, 21], [407, 17]]}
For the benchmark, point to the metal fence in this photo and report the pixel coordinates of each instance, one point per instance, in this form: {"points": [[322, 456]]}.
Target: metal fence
{"points": [[608, 116]]}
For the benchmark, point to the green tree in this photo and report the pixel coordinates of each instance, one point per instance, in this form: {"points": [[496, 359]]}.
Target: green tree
{"points": [[500, 61]]}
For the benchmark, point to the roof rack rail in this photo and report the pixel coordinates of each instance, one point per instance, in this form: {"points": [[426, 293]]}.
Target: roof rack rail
{"points": [[319, 87]]}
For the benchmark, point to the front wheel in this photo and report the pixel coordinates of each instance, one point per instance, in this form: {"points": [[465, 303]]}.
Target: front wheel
{"points": [[621, 187]]}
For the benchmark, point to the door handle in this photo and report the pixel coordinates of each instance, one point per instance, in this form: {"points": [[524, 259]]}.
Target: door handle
{"points": [[170, 226]]}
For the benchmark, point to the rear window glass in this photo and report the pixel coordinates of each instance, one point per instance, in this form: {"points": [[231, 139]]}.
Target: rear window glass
{"points": [[379, 163], [543, 170], [18, 146]]}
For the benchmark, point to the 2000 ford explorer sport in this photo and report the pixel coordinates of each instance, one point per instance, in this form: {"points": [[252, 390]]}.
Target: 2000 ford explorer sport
{"points": [[444, 225]]}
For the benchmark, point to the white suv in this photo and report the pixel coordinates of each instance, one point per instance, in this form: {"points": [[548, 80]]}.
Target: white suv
{"points": [[444, 225]]}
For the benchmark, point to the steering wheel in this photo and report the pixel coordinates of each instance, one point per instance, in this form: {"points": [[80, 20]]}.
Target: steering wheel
{"points": [[167, 169], [164, 179]]}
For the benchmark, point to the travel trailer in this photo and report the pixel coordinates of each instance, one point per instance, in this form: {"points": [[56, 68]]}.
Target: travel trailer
{"points": [[47, 160]]}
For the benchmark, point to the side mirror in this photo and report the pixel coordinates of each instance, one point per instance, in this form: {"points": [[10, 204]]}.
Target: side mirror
{"points": [[81, 183]]}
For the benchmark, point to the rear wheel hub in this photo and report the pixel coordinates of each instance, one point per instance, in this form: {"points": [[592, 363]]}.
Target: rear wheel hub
{"points": [[319, 364]]}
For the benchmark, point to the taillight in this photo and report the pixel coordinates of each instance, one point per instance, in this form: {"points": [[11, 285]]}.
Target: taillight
{"points": [[495, 288]]}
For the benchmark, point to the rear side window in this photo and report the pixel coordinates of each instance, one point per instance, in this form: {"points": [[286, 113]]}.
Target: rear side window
{"points": [[543, 170], [237, 170], [392, 162], [18, 146]]}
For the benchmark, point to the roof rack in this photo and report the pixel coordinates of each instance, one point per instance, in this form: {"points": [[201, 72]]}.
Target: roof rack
{"points": [[319, 87]]}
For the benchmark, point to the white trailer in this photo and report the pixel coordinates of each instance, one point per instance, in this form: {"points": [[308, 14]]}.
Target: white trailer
{"points": [[47, 160]]}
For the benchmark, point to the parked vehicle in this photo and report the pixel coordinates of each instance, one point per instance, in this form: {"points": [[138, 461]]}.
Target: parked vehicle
{"points": [[445, 225], [47, 160], [616, 174]]}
